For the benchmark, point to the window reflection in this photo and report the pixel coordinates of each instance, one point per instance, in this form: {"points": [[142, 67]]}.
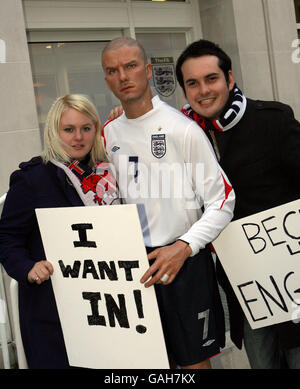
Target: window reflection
{"points": [[59, 68]]}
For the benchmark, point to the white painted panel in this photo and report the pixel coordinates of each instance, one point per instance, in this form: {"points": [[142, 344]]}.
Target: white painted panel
{"points": [[163, 15], [75, 15], [88, 14]]}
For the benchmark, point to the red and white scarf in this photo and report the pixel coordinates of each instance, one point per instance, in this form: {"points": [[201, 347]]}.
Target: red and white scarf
{"points": [[95, 186], [229, 118]]}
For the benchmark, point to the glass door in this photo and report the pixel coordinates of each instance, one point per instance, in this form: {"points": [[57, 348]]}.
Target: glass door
{"points": [[59, 68], [163, 49]]}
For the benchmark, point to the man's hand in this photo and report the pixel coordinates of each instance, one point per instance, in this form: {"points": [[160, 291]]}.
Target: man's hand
{"points": [[169, 260], [41, 271], [115, 112]]}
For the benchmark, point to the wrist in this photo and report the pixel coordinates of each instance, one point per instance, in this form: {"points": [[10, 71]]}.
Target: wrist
{"points": [[186, 246]]}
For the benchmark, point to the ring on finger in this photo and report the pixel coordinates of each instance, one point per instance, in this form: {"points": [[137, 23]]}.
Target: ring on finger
{"points": [[165, 278]]}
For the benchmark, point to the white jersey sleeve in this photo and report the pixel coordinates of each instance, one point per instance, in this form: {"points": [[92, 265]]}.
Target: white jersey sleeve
{"points": [[212, 188]]}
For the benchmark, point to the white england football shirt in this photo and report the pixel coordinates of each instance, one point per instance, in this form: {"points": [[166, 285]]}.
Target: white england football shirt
{"points": [[165, 164]]}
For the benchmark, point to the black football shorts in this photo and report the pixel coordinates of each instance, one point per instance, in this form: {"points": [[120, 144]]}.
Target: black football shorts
{"points": [[191, 311]]}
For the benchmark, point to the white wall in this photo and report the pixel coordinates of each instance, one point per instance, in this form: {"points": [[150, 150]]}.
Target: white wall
{"points": [[19, 133], [258, 35]]}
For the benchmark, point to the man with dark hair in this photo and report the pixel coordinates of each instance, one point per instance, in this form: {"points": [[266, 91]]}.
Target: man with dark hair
{"points": [[206, 48], [258, 146]]}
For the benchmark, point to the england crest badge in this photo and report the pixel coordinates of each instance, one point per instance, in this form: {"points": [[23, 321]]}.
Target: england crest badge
{"points": [[164, 75], [158, 145]]}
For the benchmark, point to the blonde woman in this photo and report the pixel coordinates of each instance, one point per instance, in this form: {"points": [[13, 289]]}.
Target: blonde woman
{"points": [[72, 171]]}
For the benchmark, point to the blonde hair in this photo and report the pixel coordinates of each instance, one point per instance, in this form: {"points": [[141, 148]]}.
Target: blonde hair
{"points": [[52, 144]]}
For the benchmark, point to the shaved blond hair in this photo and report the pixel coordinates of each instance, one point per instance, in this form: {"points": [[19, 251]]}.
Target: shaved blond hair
{"points": [[117, 43]]}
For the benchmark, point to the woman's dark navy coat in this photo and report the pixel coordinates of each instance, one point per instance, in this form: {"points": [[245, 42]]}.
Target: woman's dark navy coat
{"points": [[35, 185]]}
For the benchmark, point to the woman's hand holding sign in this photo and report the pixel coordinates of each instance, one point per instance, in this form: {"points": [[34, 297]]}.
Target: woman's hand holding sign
{"points": [[40, 272]]}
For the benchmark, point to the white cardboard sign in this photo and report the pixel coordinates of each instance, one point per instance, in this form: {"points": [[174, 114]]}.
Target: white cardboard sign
{"points": [[261, 257], [109, 319]]}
